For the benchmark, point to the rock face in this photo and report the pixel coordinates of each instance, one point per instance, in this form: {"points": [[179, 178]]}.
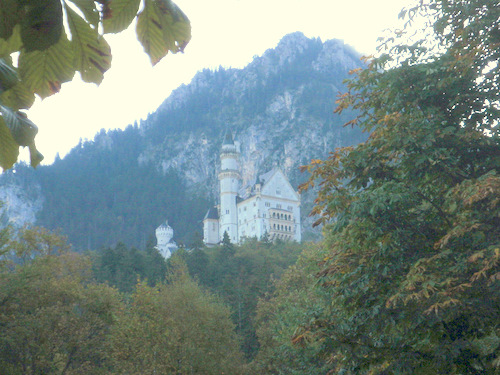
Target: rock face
{"points": [[21, 200], [279, 107]]}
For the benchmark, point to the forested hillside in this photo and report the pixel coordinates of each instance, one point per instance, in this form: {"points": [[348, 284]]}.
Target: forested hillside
{"points": [[406, 279], [121, 185]]}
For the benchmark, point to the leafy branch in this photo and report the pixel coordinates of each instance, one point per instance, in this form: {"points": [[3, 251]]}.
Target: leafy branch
{"points": [[38, 53]]}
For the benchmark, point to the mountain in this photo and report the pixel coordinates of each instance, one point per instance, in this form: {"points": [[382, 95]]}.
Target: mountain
{"points": [[124, 183]]}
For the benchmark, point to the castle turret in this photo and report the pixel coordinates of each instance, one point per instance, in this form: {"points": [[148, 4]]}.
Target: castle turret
{"points": [[164, 243], [229, 181]]}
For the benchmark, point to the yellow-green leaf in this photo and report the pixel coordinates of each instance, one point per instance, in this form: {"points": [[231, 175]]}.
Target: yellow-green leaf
{"points": [[45, 71], [35, 156], [162, 27], [177, 28], [18, 97], [92, 54], [21, 128], [89, 11], [9, 149], [8, 75], [12, 44], [122, 14]]}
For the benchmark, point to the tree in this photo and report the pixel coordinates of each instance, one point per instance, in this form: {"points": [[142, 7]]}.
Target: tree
{"points": [[242, 278], [412, 215], [227, 247], [175, 328], [35, 29], [53, 319], [280, 313]]}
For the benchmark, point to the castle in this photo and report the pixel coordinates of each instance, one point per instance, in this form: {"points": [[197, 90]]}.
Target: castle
{"points": [[165, 246], [269, 207]]}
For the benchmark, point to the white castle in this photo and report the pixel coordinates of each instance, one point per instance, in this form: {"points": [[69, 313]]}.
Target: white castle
{"points": [[269, 207], [164, 243]]}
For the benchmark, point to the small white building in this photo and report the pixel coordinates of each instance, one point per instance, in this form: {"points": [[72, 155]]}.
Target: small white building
{"points": [[267, 207], [164, 243]]}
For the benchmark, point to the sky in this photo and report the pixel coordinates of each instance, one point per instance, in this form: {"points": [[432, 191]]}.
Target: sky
{"points": [[227, 33]]}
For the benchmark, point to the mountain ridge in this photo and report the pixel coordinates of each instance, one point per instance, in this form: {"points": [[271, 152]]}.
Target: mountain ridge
{"points": [[279, 107]]}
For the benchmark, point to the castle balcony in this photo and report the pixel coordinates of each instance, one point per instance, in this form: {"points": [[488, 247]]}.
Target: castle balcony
{"points": [[229, 173]]}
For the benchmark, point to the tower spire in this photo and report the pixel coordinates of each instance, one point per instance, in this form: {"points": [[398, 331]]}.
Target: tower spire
{"points": [[228, 138]]}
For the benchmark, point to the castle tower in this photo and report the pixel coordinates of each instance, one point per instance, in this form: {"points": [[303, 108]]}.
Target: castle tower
{"points": [[164, 243], [229, 182]]}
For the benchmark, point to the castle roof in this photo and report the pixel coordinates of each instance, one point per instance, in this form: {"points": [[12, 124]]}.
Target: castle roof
{"points": [[248, 190], [264, 178], [212, 214], [164, 225], [228, 138], [260, 179]]}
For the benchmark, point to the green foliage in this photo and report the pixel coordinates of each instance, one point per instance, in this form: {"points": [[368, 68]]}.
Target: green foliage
{"points": [[242, 278], [38, 31], [121, 267], [53, 319], [175, 328], [294, 300], [412, 213]]}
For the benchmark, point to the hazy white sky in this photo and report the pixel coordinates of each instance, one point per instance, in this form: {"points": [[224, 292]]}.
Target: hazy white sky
{"points": [[225, 33]]}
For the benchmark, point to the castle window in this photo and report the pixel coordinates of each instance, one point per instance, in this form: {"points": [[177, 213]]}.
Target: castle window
{"points": [[268, 204], [254, 204], [281, 216], [278, 192], [274, 214], [278, 205], [290, 208], [227, 211], [244, 208], [274, 226]]}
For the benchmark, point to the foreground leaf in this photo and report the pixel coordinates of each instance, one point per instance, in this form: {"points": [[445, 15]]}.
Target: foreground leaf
{"points": [[9, 149], [12, 44], [92, 54], [89, 11], [10, 15], [18, 97], [123, 13], [162, 27], [23, 132], [42, 26], [8, 76], [45, 71]]}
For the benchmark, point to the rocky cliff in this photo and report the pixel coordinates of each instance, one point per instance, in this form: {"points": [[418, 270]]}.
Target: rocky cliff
{"points": [[279, 107]]}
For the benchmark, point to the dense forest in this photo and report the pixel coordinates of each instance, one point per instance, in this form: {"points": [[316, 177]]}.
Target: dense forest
{"points": [[125, 308], [404, 281]]}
